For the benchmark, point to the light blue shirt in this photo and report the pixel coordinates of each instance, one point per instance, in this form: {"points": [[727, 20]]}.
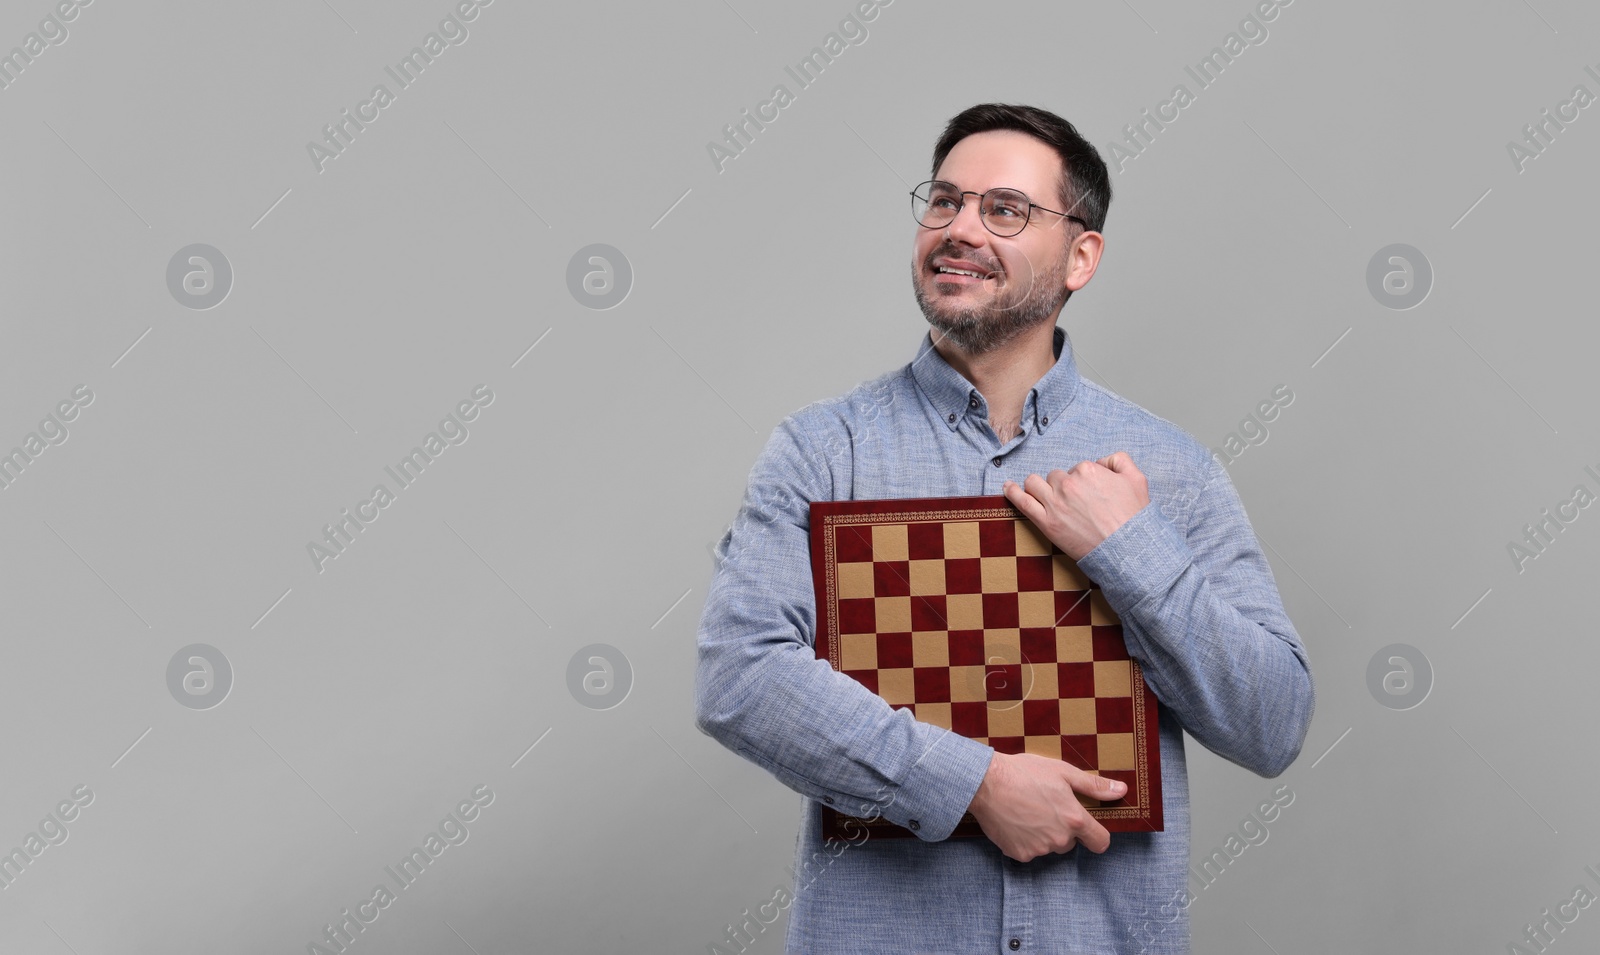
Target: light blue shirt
{"points": [[1200, 611]]}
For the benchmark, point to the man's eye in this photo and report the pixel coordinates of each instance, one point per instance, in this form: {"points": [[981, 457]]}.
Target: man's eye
{"points": [[943, 202], [1005, 211]]}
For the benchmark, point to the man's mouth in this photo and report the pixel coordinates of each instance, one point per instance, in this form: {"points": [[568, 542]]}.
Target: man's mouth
{"points": [[958, 276]]}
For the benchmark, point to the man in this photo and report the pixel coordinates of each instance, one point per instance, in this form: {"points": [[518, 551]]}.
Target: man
{"points": [[992, 401]]}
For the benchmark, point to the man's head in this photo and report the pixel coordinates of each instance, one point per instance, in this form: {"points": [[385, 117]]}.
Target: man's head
{"points": [[1029, 276]]}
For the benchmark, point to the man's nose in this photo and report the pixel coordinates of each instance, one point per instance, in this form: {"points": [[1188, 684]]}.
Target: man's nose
{"points": [[967, 227]]}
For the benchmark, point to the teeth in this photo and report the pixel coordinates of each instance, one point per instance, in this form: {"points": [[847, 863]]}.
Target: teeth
{"points": [[960, 272]]}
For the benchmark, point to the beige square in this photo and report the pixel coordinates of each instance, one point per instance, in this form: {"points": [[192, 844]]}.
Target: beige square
{"points": [[930, 648], [964, 611], [1077, 717], [1100, 612], [889, 542], [1031, 541], [936, 713], [1040, 681], [1074, 644], [858, 651], [1116, 750], [1043, 746], [893, 614], [897, 685], [927, 577], [966, 684], [961, 539], [1005, 718], [1036, 608], [999, 575], [1112, 678], [1002, 646], [1067, 575], [855, 580]]}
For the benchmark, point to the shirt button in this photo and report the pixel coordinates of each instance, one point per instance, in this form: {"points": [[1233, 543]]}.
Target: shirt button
{"points": [[952, 417], [1045, 420], [915, 825], [972, 402], [995, 462], [828, 800], [1016, 943]]}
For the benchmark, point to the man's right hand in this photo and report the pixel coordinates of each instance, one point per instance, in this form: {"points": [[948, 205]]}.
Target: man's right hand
{"points": [[1027, 805]]}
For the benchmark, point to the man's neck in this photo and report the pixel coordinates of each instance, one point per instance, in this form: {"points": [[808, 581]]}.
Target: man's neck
{"points": [[1006, 375]]}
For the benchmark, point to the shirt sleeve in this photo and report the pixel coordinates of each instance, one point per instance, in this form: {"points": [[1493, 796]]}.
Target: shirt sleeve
{"points": [[1201, 612], [761, 691]]}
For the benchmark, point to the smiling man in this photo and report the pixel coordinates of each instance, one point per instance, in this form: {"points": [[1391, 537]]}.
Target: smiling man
{"points": [[992, 403]]}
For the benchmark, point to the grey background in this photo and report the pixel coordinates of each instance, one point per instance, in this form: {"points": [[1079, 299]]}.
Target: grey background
{"points": [[370, 298]]}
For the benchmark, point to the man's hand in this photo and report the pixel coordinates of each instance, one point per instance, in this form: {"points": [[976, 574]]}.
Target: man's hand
{"points": [[1026, 806], [1078, 509]]}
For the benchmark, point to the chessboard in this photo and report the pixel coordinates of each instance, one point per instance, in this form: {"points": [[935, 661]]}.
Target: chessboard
{"points": [[962, 612]]}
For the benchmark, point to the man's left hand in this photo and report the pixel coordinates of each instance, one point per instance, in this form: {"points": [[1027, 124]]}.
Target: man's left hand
{"points": [[1078, 509]]}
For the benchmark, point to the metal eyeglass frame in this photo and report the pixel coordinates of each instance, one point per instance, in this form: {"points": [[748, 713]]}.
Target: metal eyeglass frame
{"points": [[964, 193]]}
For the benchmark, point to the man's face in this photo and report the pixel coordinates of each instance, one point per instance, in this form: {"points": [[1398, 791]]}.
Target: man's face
{"points": [[1025, 280]]}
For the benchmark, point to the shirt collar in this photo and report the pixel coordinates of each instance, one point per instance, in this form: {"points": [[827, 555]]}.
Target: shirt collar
{"points": [[953, 396]]}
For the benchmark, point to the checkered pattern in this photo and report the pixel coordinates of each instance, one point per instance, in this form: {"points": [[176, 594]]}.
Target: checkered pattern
{"points": [[986, 628]]}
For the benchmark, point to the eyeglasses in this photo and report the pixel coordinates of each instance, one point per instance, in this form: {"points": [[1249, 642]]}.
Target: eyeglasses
{"points": [[1005, 212]]}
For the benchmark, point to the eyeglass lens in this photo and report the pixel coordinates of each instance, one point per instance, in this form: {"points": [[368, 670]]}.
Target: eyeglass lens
{"points": [[1004, 211]]}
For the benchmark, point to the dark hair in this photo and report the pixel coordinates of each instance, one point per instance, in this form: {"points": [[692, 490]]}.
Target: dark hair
{"points": [[1085, 183]]}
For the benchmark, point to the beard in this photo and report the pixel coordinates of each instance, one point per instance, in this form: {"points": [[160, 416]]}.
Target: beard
{"points": [[983, 327]]}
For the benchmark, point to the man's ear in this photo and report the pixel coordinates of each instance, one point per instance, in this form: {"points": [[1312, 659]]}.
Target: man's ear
{"points": [[1085, 258]]}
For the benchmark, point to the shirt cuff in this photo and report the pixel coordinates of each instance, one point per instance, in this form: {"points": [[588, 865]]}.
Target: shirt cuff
{"points": [[939, 788], [1142, 557]]}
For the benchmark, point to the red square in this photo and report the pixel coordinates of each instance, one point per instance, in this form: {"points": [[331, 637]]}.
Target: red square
{"points": [[970, 719], [966, 649], [894, 651], [1035, 572], [928, 613], [1072, 608], [963, 575], [1075, 680], [1000, 611], [1003, 681], [1007, 744], [997, 538], [1041, 718], [858, 615], [853, 543], [1081, 751], [891, 578], [1108, 643], [932, 684], [867, 678], [925, 541], [1114, 714], [1038, 644]]}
